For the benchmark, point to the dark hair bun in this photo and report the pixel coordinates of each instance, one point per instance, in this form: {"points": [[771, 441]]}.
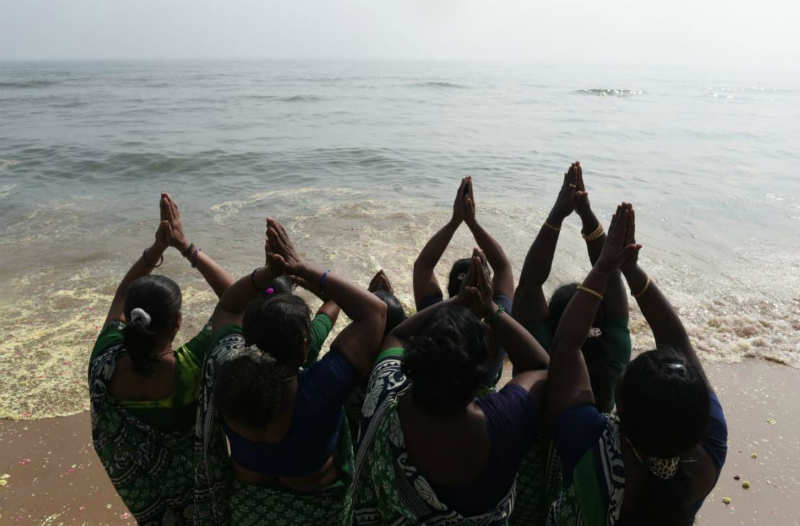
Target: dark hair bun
{"points": [[447, 360]]}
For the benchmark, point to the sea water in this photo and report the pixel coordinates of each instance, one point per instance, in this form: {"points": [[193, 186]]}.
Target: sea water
{"points": [[361, 161]]}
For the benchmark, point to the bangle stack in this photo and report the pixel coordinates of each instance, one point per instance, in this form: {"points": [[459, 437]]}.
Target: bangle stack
{"points": [[155, 265], [597, 233], [552, 227], [644, 289], [591, 291]]}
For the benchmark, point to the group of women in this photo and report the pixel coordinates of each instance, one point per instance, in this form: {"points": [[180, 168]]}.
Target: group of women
{"points": [[403, 421]]}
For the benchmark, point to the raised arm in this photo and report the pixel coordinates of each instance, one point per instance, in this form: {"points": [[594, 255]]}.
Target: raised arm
{"points": [[616, 302], [530, 304], [503, 279], [424, 280], [359, 341], [216, 277], [568, 381], [150, 259], [658, 311], [523, 350]]}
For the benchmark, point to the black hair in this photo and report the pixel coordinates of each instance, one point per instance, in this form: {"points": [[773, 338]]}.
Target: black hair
{"points": [[395, 315], [281, 285], [279, 325], [250, 387], [458, 273], [447, 360], [664, 403], [160, 298], [664, 410], [593, 352]]}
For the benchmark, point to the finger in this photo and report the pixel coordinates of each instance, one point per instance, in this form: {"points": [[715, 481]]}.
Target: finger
{"points": [[579, 178], [274, 239], [629, 226], [617, 231], [630, 252], [174, 207], [632, 227], [163, 207]]}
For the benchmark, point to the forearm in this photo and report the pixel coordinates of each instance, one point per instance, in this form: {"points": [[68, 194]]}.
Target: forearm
{"points": [[590, 225], [580, 312], [657, 310], [523, 350], [435, 247], [330, 309], [216, 277], [141, 267], [412, 325], [359, 304], [236, 297], [539, 259], [503, 281]]}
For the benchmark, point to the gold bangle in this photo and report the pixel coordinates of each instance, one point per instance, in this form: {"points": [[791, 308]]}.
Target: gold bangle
{"points": [[551, 227], [644, 289], [591, 291], [595, 234]]}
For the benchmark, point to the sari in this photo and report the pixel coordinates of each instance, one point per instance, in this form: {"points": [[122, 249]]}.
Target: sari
{"points": [[594, 498], [150, 467], [220, 499], [388, 488]]}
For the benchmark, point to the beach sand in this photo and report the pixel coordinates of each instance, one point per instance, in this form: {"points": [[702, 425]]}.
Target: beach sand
{"points": [[54, 476]]}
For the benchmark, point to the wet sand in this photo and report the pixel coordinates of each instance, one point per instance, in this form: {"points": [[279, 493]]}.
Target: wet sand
{"points": [[54, 476]]}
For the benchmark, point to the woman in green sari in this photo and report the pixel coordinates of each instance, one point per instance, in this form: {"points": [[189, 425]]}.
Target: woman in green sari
{"points": [[431, 452], [656, 462], [272, 444], [144, 390]]}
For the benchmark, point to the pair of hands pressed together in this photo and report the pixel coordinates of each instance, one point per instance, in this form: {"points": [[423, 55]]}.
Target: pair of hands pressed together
{"points": [[573, 195], [170, 229], [477, 294], [620, 250], [464, 204]]}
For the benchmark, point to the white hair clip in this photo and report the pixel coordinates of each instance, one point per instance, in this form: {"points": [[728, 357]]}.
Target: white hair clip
{"points": [[140, 318]]}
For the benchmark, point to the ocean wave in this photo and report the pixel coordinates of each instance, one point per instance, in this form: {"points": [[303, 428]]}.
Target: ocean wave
{"points": [[33, 83], [7, 163], [610, 92], [438, 84], [301, 98]]}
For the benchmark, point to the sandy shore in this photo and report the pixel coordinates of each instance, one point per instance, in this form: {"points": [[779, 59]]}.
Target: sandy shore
{"points": [[54, 476]]}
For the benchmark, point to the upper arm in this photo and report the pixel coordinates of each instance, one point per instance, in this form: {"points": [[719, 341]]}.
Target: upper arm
{"points": [[576, 431], [321, 326], [116, 312], [201, 343], [503, 279], [533, 382], [111, 334], [424, 282], [221, 318], [360, 341], [330, 309], [530, 304], [568, 383]]}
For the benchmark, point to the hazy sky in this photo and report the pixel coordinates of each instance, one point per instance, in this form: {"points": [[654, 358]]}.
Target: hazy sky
{"points": [[675, 32]]}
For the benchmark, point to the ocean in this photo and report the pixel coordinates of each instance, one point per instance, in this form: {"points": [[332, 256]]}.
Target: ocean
{"points": [[360, 161]]}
